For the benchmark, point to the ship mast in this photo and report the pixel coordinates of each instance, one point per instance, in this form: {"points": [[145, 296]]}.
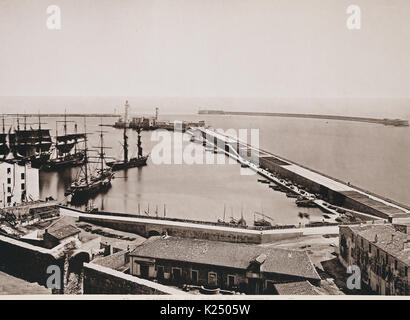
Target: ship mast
{"points": [[101, 154], [40, 138], [125, 145], [16, 138], [65, 125], [126, 107], [139, 142], [102, 149], [85, 152], [75, 140]]}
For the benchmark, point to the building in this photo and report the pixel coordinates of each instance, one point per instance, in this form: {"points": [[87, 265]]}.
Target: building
{"points": [[246, 268], [18, 184], [53, 238], [382, 252]]}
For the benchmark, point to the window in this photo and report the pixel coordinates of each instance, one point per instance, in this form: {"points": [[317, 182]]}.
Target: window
{"points": [[9, 180], [9, 199], [23, 186], [231, 281], [405, 271], [370, 248], [8, 170], [395, 264], [212, 278], [9, 189], [378, 253], [176, 274], [160, 273], [194, 276], [144, 271], [361, 240], [387, 259], [22, 176]]}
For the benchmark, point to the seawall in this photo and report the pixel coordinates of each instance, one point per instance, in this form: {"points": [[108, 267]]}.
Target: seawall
{"points": [[26, 261]]}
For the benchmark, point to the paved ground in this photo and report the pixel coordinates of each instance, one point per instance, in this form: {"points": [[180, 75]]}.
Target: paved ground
{"points": [[322, 252], [14, 286]]}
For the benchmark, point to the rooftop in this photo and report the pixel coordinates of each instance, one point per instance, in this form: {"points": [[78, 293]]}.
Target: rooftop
{"points": [[387, 238], [64, 232], [225, 254], [296, 288]]}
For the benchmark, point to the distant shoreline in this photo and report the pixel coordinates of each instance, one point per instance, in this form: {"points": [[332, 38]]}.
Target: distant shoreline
{"points": [[57, 115], [385, 121]]}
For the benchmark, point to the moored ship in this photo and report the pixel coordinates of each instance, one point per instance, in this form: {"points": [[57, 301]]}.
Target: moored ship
{"points": [[28, 144], [90, 183], [126, 163], [66, 153]]}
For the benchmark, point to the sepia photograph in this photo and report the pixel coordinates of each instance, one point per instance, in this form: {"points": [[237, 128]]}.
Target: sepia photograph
{"points": [[204, 149]]}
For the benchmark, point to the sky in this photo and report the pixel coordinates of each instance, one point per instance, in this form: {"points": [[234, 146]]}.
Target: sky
{"points": [[206, 49]]}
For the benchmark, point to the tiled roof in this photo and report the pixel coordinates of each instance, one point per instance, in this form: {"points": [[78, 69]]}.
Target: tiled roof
{"points": [[64, 232], [225, 254], [385, 237], [296, 288]]}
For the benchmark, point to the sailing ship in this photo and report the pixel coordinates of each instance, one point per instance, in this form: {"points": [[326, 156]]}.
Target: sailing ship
{"points": [[30, 145], [125, 163], [91, 182], [43, 145], [66, 153]]}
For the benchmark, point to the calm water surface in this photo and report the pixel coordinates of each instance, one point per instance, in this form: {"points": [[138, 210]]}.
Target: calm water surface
{"points": [[371, 156]]}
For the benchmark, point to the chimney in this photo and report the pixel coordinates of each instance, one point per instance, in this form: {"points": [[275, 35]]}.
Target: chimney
{"points": [[375, 238]]}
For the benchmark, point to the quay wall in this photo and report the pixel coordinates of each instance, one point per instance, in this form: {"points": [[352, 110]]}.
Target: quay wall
{"points": [[350, 200], [147, 229], [354, 200], [186, 230], [26, 261], [101, 280]]}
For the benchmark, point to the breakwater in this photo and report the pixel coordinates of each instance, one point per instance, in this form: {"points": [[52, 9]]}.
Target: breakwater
{"points": [[384, 121]]}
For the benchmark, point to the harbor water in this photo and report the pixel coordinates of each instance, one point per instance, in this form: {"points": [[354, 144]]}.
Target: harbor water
{"points": [[371, 156]]}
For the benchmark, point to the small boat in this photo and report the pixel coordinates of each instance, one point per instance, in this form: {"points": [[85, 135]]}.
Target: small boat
{"points": [[305, 203], [204, 290], [275, 187], [261, 222], [263, 181], [291, 195]]}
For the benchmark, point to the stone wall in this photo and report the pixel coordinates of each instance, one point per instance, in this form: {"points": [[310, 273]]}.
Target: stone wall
{"points": [[147, 229], [102, 280], [26, 261]]}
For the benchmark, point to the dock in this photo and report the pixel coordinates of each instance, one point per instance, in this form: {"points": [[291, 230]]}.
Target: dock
{"points": [[150, 226], [278, 170]]}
